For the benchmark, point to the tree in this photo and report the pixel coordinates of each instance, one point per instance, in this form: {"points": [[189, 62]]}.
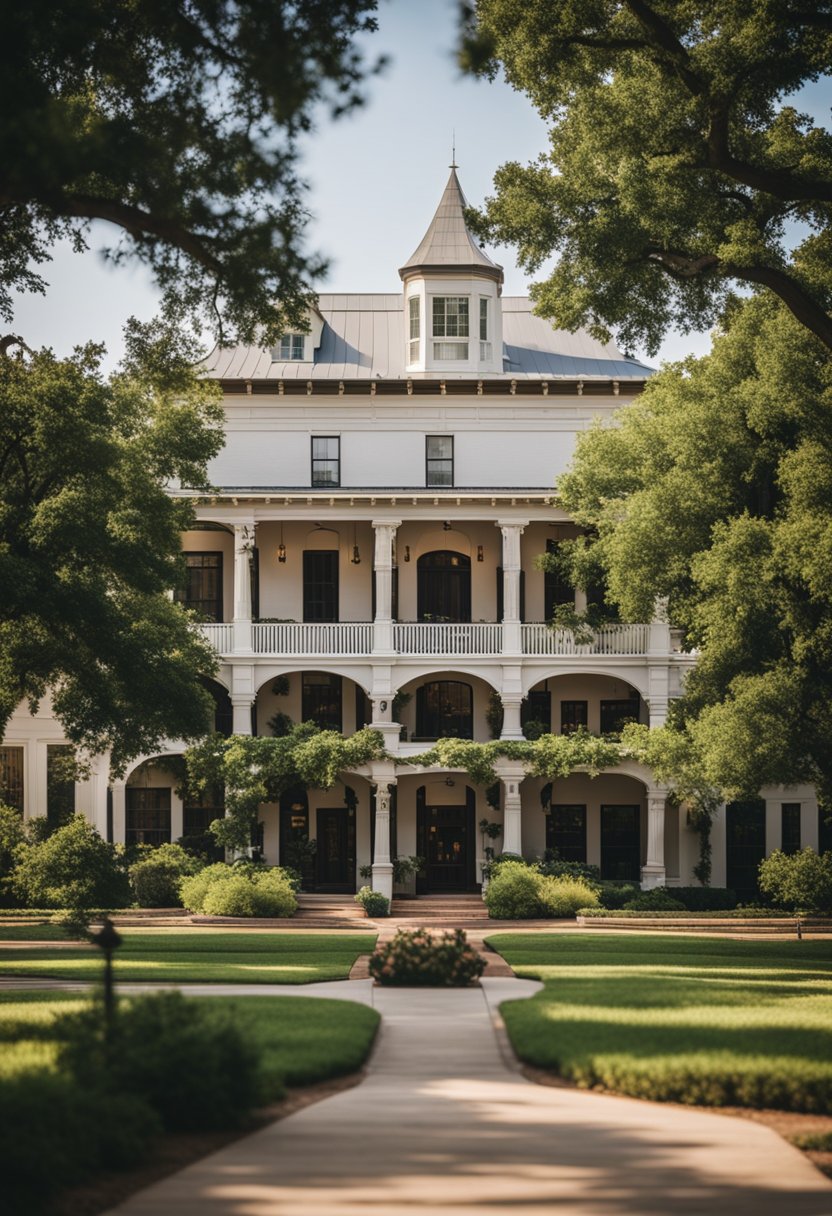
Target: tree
{"points": [[675, 170], [90, 541], [73, 868], [176, 121], [714, 489]]}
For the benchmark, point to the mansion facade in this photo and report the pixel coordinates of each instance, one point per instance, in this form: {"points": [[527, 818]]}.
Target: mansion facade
{"points": [[368, 558]]}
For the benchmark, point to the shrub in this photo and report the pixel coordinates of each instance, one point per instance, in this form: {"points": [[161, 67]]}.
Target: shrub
{"points": [[417, 957], [190, 1063], [800, 881], [513, 892], [617, 894], [373, 902], [656, 900], [56, 1134], [565, 896], [155, 880], [240, 890], [12, 839], [72, 868], [555, 867], [705, 899]]}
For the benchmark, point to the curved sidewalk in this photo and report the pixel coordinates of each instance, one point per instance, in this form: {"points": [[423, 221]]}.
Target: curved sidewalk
{"points": [[444, 1124]]}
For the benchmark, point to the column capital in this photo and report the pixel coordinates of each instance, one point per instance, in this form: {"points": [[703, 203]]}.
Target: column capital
{"points": [[386, 523], [522, 524]]}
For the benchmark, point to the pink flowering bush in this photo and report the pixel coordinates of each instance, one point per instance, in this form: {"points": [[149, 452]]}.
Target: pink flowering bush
{"points": [[434, 960]]}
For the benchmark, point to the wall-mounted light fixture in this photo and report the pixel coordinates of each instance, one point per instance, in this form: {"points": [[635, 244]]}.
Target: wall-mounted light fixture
{"points": [[407, 553], [446, 527], [356, 556], [281, 548], [480, 557], [449, 781]]}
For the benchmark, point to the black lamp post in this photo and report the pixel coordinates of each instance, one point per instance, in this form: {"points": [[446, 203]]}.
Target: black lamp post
{"points": [[107, 939]]}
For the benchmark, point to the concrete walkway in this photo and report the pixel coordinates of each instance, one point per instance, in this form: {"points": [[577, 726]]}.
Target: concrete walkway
{"points": [[444, 1124]]}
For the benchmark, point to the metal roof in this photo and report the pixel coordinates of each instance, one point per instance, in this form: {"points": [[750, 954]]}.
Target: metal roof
{"points": [[363, 338], [448, 244]]}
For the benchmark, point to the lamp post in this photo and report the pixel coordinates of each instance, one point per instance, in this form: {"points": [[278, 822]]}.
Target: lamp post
{"points": [[107, 939]]}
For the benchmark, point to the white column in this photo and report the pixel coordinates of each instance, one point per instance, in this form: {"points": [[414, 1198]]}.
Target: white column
{"points": [[512, 810], [658, 666], [243, 544], [511, 718], [653, 872], [119, 811], [385, 530], [382, 704], [97, 794], [511, 584], [241, 713], [382, 861]]}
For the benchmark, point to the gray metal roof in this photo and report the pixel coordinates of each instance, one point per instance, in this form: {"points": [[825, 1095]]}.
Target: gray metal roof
{"points": [[363, 338], [448, 244]]}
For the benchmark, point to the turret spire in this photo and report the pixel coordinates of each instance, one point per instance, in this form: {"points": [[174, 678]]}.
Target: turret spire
{"points": [[448, 245]]}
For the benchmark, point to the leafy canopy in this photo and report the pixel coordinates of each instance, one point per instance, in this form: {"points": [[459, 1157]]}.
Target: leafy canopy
{"points": [[90, 540], [177, 122], [676, 168], [714, 489]]}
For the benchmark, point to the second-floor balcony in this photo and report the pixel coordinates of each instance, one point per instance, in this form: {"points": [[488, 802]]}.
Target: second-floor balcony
{"points": [[442, 639]]}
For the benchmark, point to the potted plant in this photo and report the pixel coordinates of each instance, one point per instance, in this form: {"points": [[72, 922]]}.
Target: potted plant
{"points": [[488, 831]]}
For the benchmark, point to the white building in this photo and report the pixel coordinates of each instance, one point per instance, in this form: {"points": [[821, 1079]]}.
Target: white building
{"points": [[382, 496]]}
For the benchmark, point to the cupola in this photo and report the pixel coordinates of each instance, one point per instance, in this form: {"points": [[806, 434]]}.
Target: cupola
{"points": [[453, 322]]}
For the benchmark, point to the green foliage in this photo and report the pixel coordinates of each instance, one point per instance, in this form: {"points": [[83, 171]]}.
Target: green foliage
{"points": [[180, 126], [90, 541], [705, 899], [373, 902], [73, 868], [240, 890], [190, 1064], [254, 770], [156, 878], [418, 958], [720, 1022], [494, 714], [513, 892], [563, 897], [673, 168], [799, 881], [655, 900], [614, 895], [554, 867], [12, 837]]}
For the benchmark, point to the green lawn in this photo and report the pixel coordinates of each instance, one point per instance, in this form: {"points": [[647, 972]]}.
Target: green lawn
{"points": [[200, 956], [713, 1022], [300, 1039]]}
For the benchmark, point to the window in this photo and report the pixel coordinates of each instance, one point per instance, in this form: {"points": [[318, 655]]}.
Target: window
{"points": [[439, 457], [443, 586], [566, 832], [557, 589], [414, 335], [824, 829], [203, 585], [537, 707], [148, 816], [573, 716], [791, 827], [445, 710], [620, 843], [291, 346], [615, 713], [450, 320], [326, 460], [320, 585], [745, 845], [485, 345], [321, 700], [198, 813], [11, 777], [60, 783]]}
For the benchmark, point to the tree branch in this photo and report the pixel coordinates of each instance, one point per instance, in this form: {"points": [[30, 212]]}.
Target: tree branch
{"points": [[665, 39], [779, 182]]}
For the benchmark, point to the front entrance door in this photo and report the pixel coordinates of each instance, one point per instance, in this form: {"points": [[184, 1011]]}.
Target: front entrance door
{"points": [[446, 841], [620, 843], [745, 845], [336, 849]]}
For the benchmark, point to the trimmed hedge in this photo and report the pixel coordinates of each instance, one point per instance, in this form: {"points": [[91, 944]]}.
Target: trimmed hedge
{"points": [[156, 878], [240, 890], [373, 902], [730, 914], [423, 959]]}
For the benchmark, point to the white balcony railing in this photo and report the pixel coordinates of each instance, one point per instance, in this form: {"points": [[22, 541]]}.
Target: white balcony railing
{"points": [[336, 638], [609, 639], [221, 636], [484, 637]]}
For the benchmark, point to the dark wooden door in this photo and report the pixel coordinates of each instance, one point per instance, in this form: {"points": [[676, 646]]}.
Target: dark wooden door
{"points": [[443, 583], [745, 845], [621, 843], [446, 841], [336, 849]]}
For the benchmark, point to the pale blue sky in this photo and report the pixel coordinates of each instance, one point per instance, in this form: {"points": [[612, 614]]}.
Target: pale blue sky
{"points": [[375, 177]]}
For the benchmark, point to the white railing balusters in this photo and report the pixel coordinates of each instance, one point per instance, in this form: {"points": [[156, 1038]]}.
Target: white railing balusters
{"points": [[447, 637], [538, 638]]}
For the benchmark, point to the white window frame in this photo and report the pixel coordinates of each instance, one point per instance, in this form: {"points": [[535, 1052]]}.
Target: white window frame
{"points": [[291, 348], [414, 315]]}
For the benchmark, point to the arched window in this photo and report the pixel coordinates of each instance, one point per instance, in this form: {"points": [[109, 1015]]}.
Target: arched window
{"points": [[444, 586], [445, 710]]}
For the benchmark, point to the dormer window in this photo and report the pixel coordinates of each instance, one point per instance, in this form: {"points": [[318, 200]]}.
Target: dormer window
{"points": [[450, 321], [291, 347], [414, 332]]}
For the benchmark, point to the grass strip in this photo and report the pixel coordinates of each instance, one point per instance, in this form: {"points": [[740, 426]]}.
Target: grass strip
{"points": [[201, 957], [717, 1023]]}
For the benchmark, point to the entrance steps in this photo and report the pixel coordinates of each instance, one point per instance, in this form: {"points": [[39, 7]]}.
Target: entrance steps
{"points": [[322, 911], [452, 911]]}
